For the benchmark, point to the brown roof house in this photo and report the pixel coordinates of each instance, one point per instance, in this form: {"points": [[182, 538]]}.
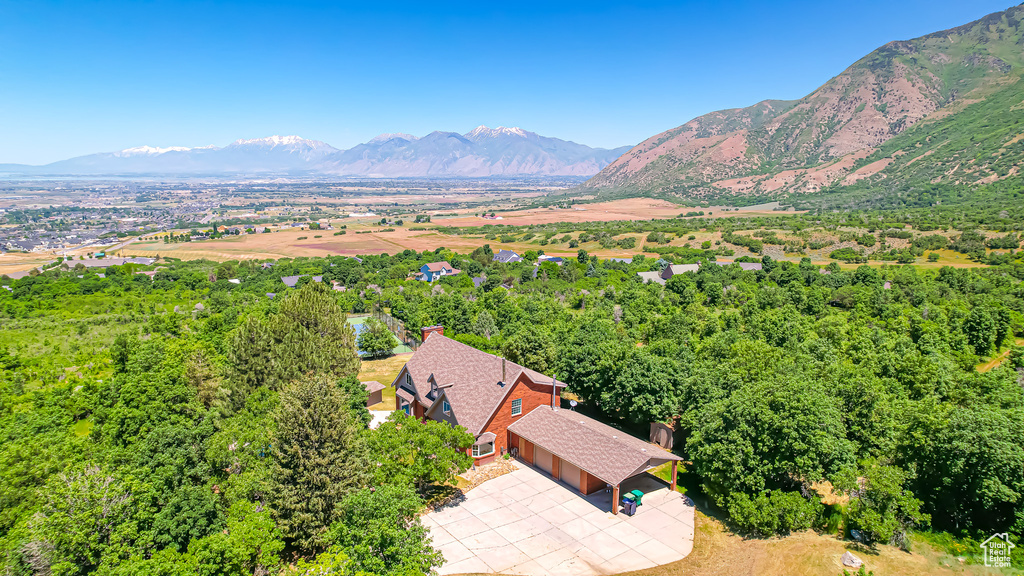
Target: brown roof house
{"points": [[511, 409]]}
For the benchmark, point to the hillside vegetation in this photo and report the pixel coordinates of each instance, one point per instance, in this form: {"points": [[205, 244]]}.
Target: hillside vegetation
{"points": [[939, 110], [184, 424]]}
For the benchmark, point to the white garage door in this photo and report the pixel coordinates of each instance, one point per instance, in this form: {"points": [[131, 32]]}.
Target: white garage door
{"points": [[570, 474], [542, 459]]}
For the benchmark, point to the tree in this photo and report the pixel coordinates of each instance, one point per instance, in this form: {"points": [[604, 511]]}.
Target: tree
{"points": [[581, 256], [309, 335], [380, 531], [980, 330], [531, 348], [968, 463], [587, 357], [424, 452], [645, 388], [249, 544], [882, 508], [771, 433], [319, 458], [87, 519], [376, 340], [485, 325]]}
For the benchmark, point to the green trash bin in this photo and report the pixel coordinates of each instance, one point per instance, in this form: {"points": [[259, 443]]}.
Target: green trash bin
{"points": [[638, 496]]}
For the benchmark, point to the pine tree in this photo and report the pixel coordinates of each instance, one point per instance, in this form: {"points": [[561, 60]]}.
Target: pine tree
{"points": [[320, 457], [308, 336]]}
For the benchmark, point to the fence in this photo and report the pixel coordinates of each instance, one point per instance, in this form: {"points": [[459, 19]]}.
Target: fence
{"points": [[410, 339]]}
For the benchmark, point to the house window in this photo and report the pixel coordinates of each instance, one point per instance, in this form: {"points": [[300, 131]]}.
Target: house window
{"points": [[446, 407], [517, 407], [408, 380], [407, 409], [483, 449]]}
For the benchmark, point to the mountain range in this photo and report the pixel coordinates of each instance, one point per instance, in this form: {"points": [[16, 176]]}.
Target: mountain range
{"points": [[942, 110], [483, 152]]}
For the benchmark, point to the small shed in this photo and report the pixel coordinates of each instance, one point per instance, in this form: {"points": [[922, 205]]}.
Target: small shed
{"points": [[375, 392]]}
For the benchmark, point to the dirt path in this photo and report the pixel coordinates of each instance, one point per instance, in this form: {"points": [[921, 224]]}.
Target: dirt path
{"points": [[991, 364]]}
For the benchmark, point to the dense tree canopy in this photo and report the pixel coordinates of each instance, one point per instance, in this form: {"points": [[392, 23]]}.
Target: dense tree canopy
{"points": [[143, 434]]}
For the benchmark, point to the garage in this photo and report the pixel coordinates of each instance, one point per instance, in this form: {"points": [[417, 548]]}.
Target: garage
{"points": [[542, 459], [570, 474], [586, 454]]}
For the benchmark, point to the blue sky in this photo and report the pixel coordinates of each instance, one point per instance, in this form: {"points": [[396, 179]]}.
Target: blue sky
{"points": [[82, 77]]}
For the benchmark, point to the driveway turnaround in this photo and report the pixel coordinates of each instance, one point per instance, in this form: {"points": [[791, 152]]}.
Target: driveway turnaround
{"points": [[529, 524]]}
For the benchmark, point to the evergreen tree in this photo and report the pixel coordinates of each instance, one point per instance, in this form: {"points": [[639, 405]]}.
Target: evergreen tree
{"points": [[309, 335], [320, 457]]}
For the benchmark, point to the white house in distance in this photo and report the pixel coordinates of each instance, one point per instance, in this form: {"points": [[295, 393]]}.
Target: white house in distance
{"points": [[435, 270]]}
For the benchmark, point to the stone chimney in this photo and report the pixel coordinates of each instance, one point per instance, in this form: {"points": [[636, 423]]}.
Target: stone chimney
{"points": [[428, 330]]}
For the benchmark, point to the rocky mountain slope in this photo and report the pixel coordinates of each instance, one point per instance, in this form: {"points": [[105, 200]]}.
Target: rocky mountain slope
{"points": [[480, 153], [484, 152], [943, 109]]}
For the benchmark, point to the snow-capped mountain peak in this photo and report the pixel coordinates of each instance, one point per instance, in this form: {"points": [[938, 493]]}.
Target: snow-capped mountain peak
{"points": [[271, 141], [149, 151], [485, 132]]}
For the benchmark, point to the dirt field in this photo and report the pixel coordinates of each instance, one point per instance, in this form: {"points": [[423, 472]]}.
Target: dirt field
{"points": [[625, 209], [716, 552], [20, 262], [287, 244]]}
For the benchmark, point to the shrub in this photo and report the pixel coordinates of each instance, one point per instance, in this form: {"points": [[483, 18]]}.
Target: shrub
{"points": [[848, 255], [774, 512]]}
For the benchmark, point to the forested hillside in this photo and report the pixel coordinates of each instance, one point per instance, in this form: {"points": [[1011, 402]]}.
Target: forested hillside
{"points": [[184, 424], [939, 110]]}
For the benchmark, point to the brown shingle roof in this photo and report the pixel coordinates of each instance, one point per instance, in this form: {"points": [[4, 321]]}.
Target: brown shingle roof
{"points": [[611, 455], [373, 386], [437, 266], [467, 376]]}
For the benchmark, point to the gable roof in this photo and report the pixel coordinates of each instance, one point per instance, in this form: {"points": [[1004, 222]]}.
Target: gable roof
{"points": [[291, 281], [437, 266], [469, 378], [610, 454], [507, 256], [373, 386]]}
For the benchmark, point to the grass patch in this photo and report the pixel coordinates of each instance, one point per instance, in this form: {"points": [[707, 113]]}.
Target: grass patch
{"points": [[82, 427], [718, 552], [384, 371]]}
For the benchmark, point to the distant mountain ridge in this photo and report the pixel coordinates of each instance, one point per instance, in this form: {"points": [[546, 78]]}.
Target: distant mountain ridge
{"points": [[940, 110], [482, 152]]}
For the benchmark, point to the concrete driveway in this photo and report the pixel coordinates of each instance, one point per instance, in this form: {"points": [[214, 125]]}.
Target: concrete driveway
{"points": [[529, 524]]}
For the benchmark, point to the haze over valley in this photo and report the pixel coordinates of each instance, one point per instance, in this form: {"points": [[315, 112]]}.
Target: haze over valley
{"points": [[482, 152]]}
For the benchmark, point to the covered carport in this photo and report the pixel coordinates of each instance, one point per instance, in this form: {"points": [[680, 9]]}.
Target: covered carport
{"points": [[584, 453]]}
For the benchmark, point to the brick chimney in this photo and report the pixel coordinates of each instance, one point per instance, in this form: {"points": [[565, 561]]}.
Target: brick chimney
{"points": [[428, 330]]}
